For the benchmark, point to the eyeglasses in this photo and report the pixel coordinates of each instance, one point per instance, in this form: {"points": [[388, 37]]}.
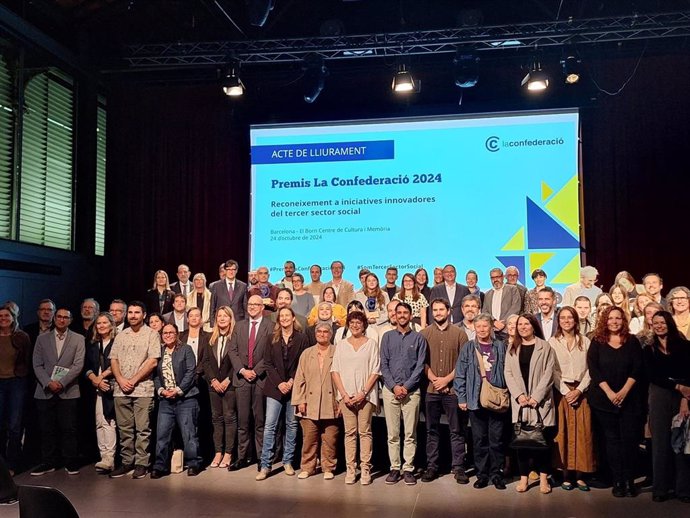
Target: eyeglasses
{"points": [[63, 317], [255, 304], [496, 276], [169, 333]]}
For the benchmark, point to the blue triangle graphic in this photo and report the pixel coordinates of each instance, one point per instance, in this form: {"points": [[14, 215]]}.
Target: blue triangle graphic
{"points": [[544, 232], [514, 260]]}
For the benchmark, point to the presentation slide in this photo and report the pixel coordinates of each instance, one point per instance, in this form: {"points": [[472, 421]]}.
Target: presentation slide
{"points": [[478, 192]]}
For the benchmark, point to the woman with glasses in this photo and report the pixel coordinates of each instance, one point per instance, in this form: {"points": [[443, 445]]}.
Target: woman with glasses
{"points": [[177, 393], [667, 363], [355, 371], [679, 299], [409, 293]]}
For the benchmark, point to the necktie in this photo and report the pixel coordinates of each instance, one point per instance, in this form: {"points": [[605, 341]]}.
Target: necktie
{"points": [[231, 291], [221, 350], [252, 342], [184, 290]]}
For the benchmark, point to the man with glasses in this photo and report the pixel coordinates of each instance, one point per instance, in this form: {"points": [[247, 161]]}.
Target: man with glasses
{"points": [[247, 344], [118, 310], [264, 289], [58, 360], [344, 290], [451, 291], [501, 301], [133, 357], [230, 292]]}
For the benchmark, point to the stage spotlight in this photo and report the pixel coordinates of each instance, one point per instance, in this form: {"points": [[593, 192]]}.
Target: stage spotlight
{"points": [[466, 70], [571, 69], [232, 84], [404, 82], [536, 79], [314, 79], [258, 11]]}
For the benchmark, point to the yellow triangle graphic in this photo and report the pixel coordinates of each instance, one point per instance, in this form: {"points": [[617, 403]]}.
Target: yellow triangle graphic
{"points": [[538, 260], [564, 206], [571, 273], [546, 191], [517, 242]]}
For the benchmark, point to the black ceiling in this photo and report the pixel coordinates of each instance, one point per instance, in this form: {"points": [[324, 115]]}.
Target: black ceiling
{"points": [[100, 29]]}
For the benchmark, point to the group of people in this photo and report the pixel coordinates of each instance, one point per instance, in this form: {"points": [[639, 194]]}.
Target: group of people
{"points": [[250, 364]]}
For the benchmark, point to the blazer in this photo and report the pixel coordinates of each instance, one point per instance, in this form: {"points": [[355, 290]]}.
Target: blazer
{"points": [[554, 327], [184, 367], [314, 386], [439, 292], [46, 358], [22, 344], [277, 370], [510, 302], [541, 369], [152, 304], [220, 297], [204, 338], [92, 364], [210, 367], [175, 286], [205, 309], [239, 350], [169, 318], [345, 294]]}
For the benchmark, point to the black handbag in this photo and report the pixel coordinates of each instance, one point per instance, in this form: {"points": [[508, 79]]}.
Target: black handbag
{"points": [[527, 436]]}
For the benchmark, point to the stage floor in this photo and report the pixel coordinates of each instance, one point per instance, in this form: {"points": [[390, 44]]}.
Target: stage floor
{"points": [[217, 493]]}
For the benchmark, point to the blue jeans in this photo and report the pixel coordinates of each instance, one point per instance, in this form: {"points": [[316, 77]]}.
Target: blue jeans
{"points": [[12, 394], [184, 412], [274, 409]]}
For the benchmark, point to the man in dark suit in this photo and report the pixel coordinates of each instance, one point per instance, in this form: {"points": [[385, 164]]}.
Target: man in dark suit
{"points": [[58, 360], [249, 340], [182, 285], [451, 291], [547, 316], [178, 315], [229, 292]]}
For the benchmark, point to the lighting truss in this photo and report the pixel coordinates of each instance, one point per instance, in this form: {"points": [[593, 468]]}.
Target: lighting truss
{"points": [[488, 38]]}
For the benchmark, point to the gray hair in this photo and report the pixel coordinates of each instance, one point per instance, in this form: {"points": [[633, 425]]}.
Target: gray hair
{"points": [[589, 272]]}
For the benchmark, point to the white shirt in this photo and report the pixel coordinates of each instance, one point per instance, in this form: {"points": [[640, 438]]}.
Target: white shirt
{"points": [[355, 367], [179, 321], [450, 290], [496, 303], [60, 342], [547, 325], [571, 366]]}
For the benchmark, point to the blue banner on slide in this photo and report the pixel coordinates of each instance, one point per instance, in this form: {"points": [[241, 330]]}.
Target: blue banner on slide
{"points": [[326, 152]]}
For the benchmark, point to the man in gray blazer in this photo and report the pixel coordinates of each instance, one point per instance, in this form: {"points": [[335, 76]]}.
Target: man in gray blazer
{"points": [[500, 302], [58, 360], [249, 340], [229, 292]]}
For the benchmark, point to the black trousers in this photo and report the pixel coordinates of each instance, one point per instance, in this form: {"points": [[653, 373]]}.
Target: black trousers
{"points": [[537, 460], [488, 431], [435, 405], [224, 418], [251, 403], [58, 420], [622, 433]]}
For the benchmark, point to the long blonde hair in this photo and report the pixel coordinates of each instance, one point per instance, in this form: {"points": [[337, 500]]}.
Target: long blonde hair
{"points": [[216, 331], [167, 279]]}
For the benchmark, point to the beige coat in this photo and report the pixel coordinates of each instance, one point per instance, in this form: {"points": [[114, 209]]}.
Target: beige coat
{"points": [[205, 311], [540, 387], [314, 386]]}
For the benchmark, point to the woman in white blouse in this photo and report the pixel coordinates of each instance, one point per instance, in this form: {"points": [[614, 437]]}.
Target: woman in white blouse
{"points": [[355, 371], [574, 445]]}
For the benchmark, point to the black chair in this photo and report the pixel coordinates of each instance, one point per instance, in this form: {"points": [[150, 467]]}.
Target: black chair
{"points": [[8, 489], [44, 502]]}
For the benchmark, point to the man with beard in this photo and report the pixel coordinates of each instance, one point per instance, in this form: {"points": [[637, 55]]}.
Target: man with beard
{"points": [[470, 309], [501, 301], [445, 341]]}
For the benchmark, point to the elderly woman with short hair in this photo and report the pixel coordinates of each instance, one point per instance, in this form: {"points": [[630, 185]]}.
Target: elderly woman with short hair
{"points": [[313, 393]]}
